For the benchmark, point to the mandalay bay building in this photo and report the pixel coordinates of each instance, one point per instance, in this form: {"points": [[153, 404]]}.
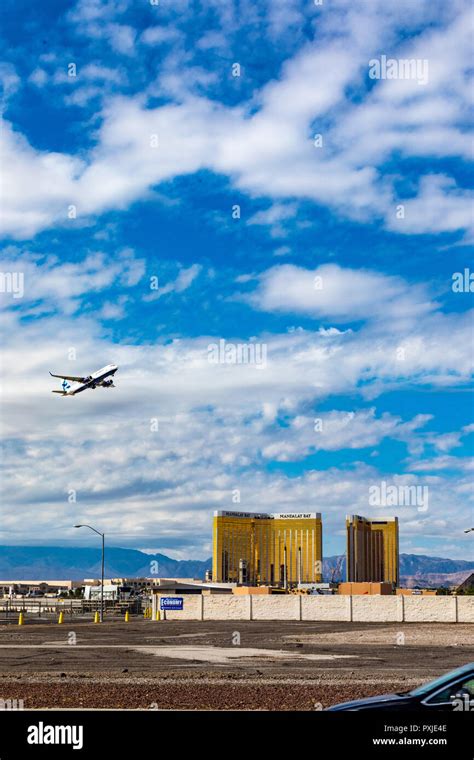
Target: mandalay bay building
{"points": [[253, 549]]}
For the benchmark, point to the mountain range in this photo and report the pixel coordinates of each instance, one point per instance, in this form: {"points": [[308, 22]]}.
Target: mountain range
{"points": [[76, 563]]}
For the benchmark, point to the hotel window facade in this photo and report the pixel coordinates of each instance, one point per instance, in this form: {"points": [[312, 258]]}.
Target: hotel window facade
{"points": [[281, 549], [372, 549]]}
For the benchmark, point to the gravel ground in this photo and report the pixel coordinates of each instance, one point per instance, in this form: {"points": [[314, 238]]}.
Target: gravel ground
{"points": [[172, 665], [191, 696]]}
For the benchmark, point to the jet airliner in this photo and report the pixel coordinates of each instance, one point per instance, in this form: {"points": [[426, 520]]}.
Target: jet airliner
{"points": [[103, 378]]}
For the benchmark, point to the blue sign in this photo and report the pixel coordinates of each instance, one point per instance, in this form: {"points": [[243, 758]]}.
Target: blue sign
{"points": [[171, 603]]}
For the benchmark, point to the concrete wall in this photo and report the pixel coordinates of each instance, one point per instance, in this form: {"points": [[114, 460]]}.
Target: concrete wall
{"points": [[326, 607], [276, 607], [465, 609], [226, 607], [430, 609], [369, 609], [376, 609]]}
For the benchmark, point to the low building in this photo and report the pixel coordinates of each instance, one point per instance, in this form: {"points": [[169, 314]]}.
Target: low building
{"points": [[366, 588], [158, 585], [14, 587], [180, 586]]}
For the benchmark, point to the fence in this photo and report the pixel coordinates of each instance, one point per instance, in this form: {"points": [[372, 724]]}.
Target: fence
{"points": [[340, 608], [10, 608]]}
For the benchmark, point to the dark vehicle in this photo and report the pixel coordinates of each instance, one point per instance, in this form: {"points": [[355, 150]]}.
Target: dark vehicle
{"points": [[452, 691]]}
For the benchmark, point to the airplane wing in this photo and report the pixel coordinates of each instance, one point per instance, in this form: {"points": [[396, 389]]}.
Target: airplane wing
{"points": [[71, 377]]}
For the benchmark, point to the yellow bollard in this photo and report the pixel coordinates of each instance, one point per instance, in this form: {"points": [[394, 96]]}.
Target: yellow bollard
{"points": [[127, 616], [96, 618], [157, 615], [21, 619], [61, 618]]}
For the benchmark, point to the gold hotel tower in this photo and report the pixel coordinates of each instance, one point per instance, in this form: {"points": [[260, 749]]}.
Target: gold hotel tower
{"points": [[267, 549], [372, 549]]}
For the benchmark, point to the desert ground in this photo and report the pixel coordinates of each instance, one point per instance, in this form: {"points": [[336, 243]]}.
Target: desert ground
{"points": [[221, 665]]}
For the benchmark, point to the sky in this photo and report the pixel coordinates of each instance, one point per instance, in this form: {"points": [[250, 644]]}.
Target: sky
{"points": [[264, 218]]}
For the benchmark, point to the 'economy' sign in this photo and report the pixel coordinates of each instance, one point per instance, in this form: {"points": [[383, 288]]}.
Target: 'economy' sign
{"points": [[171, 603]]}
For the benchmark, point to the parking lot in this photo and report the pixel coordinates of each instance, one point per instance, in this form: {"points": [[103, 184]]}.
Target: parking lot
{"points": [[221, 665]]}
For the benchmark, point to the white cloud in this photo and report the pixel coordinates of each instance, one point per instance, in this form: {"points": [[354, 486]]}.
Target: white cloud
{"points": [[218, 427], [266, 145], [112, 311], [9, 80], [102, 73], [332, 431], [51, 285], [183, 281], [122, 38], [157, 35], [97, 20], [40, 185], [340, 294], [465, 464], [274, 217], [440, 206], [38, 77], [94, 10]]}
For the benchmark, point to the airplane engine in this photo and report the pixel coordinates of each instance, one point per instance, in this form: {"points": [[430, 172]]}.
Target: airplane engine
{"points": [[108, 384]]}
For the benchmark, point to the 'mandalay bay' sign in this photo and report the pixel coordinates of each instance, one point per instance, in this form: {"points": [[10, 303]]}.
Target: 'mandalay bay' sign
{"points": [[271, 516]]}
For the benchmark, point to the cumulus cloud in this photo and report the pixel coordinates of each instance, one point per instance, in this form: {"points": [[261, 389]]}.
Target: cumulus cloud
{"points": [[142, 442], [50, 285], [9, 80], [440, 206], [183, 281], [179, 434], [266, 146], [340, 294]]}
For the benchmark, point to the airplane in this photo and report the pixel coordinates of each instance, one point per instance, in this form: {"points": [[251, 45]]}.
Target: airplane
{"points": [[103, 377]]}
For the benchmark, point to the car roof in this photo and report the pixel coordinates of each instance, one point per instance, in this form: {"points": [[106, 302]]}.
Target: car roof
{"points": [[445, 678]]}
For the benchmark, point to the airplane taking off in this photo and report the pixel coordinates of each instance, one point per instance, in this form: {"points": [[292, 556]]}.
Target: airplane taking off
{"points": [[103, 377]]}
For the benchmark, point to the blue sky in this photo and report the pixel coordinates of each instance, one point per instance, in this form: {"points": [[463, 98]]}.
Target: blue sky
{"points": [[172, 194]]}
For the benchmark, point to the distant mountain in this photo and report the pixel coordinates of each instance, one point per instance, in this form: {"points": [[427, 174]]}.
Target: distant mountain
{"points": [[411, 564], [415, 570], [76, 563]]}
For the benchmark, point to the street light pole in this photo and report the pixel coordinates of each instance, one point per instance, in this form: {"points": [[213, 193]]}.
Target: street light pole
{"points": [[102, 568], [102, 580]]}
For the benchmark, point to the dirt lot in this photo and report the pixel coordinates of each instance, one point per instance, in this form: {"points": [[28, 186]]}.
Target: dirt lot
{"points": [[222, 665]]}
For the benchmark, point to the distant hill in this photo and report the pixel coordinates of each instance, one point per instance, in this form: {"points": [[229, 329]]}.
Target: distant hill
{"points": [[415, 570], [76, 563]]}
